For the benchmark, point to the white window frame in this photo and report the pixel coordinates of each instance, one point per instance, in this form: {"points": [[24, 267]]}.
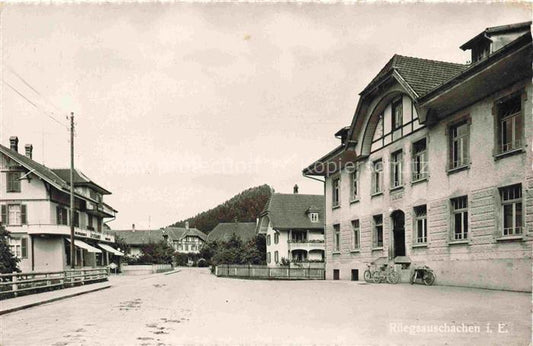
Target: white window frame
{"points": [[463, 211], [356, 234], [420, 161], [377, 176], [377, 226], [396, 161], [336, 238], [420, 214], [354, 184], [510, 119], [516, 202], [314, 217], [461, 143], [336, 191]]}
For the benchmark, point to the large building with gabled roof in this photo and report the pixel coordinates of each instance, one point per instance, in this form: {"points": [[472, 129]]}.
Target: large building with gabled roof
{"points": [[435, 168], [35, 202]]}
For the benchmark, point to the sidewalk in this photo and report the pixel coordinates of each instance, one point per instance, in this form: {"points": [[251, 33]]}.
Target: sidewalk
{"points": [[19, 303]]}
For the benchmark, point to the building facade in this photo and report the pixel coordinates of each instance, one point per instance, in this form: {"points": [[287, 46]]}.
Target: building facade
{"points": [[35, 202], [293, 225], [435, 168]]}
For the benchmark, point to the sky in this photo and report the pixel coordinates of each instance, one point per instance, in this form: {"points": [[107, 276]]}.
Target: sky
{"points": [[180, 106]]}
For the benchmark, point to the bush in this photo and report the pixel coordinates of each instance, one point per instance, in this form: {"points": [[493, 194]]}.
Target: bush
{"points": [[8, 262], [156, 253]]}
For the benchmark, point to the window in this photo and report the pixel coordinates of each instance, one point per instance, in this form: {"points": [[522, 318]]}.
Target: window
{"points": [[356, 233], [510, 124], [397, 114], [337, 238], [276, 238], [61, 216], [377, 177], [459, 147], [14, 214], [421, 225], [19, 247], [336, 191], [460, 218], [13, 181], [511, 199], [378, 231], [90, 222], [298, 237], [420, 160], [268, 239], [396, 169], [276, 257], [354, 185], [268, 257], [314, 217], [76, 219]]}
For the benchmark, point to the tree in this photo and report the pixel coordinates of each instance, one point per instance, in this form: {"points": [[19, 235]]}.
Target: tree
{"points": [[8, 262], [122, 245], [156, 253], [234, 251]]}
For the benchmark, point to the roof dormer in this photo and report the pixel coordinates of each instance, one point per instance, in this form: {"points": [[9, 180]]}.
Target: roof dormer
{"points": [[493, 38]]}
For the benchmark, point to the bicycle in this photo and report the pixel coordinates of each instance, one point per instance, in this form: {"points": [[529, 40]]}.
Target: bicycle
{"points": [[425, 274], [386, 274]]}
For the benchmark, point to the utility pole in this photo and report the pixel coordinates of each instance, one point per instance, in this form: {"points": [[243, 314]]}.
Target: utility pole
{"points": [[72, 247]]}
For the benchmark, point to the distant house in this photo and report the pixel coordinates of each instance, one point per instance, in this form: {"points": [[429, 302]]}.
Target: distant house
{"points": [[181, 239], [35, 202], [136, 239], [294, 228], [245, 231], [186, 240]]}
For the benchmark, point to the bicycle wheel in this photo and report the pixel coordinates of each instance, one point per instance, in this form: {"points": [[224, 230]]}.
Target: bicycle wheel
{"points": [[393, 277], [429, 278], [376, 277], [367, 276]]}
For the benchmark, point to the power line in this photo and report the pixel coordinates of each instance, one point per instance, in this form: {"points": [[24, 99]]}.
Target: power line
{"points": [[34, 90], [33, 104]]}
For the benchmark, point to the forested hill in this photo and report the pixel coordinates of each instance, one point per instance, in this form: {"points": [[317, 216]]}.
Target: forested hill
{"points": [[246, 207]]}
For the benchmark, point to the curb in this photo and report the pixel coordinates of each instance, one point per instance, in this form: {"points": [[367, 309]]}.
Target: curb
{"points": [[29, 305]]}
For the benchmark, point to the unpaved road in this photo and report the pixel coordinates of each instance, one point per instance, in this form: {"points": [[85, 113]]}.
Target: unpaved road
{"points": [[194, 307]]}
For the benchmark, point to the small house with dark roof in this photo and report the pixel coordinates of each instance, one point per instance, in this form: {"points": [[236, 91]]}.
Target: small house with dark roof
{"points": [[182, 239], [35, 202], [294, 228], [245, 231], [435, 168]]}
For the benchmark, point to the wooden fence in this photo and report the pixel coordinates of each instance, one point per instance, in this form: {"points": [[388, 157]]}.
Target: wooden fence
{"points": [[14, 284], [265, 272]]}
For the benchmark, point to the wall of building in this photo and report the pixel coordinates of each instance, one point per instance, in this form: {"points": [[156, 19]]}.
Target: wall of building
{"points": [[49, 253], [484, 261]]}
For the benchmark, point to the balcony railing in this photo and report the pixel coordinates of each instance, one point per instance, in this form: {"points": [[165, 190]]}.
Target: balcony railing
{"points": [[63, 230], [306, 244]]}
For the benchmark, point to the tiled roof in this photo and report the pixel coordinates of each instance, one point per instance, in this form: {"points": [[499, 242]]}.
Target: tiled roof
{"points": [[223, 231], [42, 171], [79, 178], [289, 211], [140, 237], [177, 233], [422, 75]]}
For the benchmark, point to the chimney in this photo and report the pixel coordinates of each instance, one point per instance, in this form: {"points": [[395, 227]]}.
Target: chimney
{"points": [[133, 227], [29, 150], [295, 189], [186, 224], [14, 143]]}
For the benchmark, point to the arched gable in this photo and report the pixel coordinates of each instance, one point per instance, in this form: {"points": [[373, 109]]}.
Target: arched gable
{"points": [[389, 118]]}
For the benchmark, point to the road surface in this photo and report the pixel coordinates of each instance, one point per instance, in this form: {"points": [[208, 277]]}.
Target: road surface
{"points": [[194, 307]]}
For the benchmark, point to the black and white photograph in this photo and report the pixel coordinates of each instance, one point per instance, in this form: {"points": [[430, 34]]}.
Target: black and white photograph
{"points": [[266, 173]]}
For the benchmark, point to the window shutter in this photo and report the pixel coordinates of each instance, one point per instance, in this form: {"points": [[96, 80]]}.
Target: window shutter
{"points": [[23, 214], [9, 185], [5, 221], [24, 247]]}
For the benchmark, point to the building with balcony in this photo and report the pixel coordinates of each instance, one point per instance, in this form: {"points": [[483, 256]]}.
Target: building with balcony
{"points": [[245, 231], [35, 204], [435, 168], [293, 225]]}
